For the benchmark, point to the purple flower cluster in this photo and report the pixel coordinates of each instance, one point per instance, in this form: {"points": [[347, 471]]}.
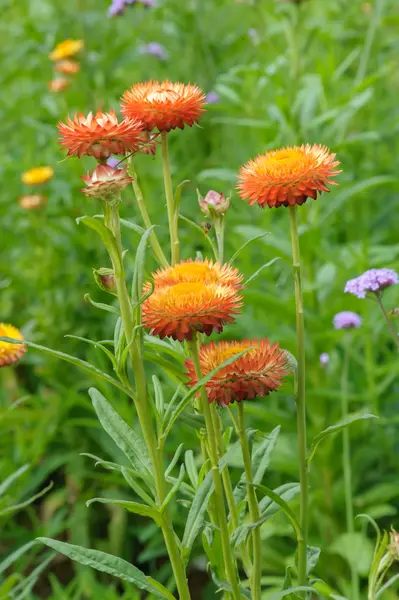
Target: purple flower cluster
{"points": [[212, 97], [347, 320], [113, 162], [118, 6], [373, 280], [324, 359], [154, 49]]}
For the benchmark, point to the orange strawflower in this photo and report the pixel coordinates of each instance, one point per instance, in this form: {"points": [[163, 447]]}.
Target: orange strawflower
{"points": [[66, 49], [178, 310], [67, 67], [37, 175], [32, 201], [58, 85], [100, 135], [10, 353], [105, 182], [163, 105], [256, 373], [190, 271], [288, 176]]}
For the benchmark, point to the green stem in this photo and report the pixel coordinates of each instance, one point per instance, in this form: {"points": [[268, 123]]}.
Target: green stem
{"points": [[173, 216], [111, 219], [300, 399], [156, 248], [229, 560], [346, 461], [391, 328], [253, 506], [219, 223]]}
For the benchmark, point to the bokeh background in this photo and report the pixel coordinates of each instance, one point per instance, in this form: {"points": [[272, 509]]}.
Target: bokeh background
{"points": [[279, 73]]}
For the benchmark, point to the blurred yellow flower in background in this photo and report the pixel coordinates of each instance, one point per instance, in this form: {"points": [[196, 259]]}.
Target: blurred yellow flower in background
{"points": [[66, 49], [37, 175], [67, 67]]}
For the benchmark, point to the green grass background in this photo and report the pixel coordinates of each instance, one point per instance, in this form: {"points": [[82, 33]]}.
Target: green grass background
{"points": [[326, 72]]}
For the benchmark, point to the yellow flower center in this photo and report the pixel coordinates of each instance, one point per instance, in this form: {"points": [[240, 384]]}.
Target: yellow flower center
{"points": [[285, 158], [183, 289], [193, 271], [10, 332], [227, 353]]}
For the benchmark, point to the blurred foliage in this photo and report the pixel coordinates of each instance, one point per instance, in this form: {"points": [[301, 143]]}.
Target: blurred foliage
{"points": [[322, 71]]}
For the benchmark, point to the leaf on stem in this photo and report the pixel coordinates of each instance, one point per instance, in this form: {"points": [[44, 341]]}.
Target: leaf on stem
{"points": [[246, 243], [196, 516], [134, 507], [101, 305]]}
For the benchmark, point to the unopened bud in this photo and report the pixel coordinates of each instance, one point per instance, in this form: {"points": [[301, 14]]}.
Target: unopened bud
{"points": [[105, 279], [213, 203]]}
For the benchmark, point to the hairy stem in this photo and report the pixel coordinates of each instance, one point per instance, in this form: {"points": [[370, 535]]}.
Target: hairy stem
{"points": [[391, 328], [173, 216]]}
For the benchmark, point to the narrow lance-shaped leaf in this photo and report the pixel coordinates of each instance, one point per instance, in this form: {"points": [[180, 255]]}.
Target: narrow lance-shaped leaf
{"points": [[108, 563], [196, 515], [334, 429], [13, 477], [134, 507]]}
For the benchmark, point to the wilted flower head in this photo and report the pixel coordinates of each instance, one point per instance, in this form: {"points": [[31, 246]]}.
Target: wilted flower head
{"points": [[154, 49], [105, 183], [212, 98], [100, 135], [66, 49], [67, 67], [213, 202], [373, 280], [324, 359], [256, 373], [10, 353], [32, 201], [288, 176], [37, 175], [163, 105], [347, 320]]}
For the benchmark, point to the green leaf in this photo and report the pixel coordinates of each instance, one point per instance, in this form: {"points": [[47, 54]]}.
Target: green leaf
{"points": [[25, 503], [106, 235], [132, 226], [159, 397], [95, 344], [293, 590], [265, 266], [134, 507], [124, 437], [11, 558], [191, 468], [81, 364], [178, 193], [313, 554], [202, 232], [174, 460], [283, 505], [245, 244], [13, 477], [225, 586], [101, 305], [356, 549], [196, 515], [334, 429], [176, 486], [108, 563], [129, 477], [139, 265]]}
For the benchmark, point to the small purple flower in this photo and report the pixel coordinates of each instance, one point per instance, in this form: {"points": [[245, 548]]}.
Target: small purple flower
{"points": [[212, 97], [253, 34], [324, 359], [113, 162], [154, 49], [118, 6], [347, 320], [373, 280]]}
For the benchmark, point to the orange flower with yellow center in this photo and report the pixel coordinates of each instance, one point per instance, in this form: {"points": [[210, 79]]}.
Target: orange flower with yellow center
{"points": [[67, 67], [37, 175], [179, 310], [10, 353], [100, 135], [164, 105], [258, 372], [205, 271], [66, 49], [32, 201], [288, 176]]}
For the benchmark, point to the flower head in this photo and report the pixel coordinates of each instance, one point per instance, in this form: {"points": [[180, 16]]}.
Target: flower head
{"points": [[288, 176], [154, 49], [67, 67], [347, 320], [178, 310], [204, 271], [373, 280], [324, 359], [213, 202], [37, 175], [163, 105], [32, 201], [256, 373], [59, 84], [10, 353], [66, 49], [100, 135], [105, 182]]}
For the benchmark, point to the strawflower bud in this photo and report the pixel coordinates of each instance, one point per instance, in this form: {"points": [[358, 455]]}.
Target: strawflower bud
{"points": [[394, 544], [105, 183], [105, 279], [213, 203]]}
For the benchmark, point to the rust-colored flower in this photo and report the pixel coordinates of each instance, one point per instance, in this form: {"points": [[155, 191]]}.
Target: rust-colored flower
{"points": [[288, 176], [10, 353], [178, 310], [37, 175], [256, 373], [105, 182], [32, 201], [205, 271], [59, 84], [163, 105], [66, 49], [67, 67], [100, 135]]}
